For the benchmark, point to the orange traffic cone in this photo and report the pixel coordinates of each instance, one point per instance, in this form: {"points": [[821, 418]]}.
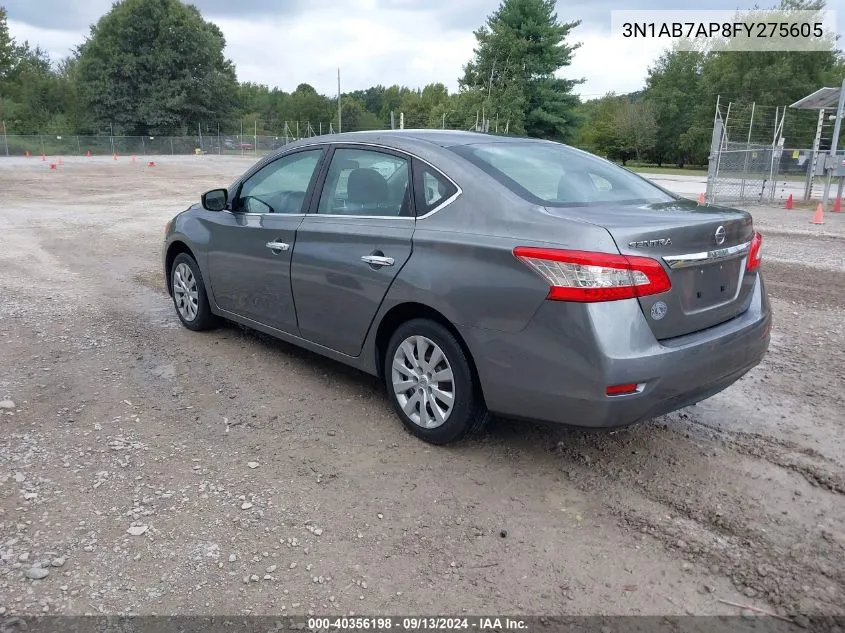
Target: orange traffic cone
{"points": [[28, 155], [114, 155], [43, 158], [818, 216], [88, 153], [837, 206], [701, 198], [133, 158], [789, 202], [152, 163], [60, 160], [52, 165]]}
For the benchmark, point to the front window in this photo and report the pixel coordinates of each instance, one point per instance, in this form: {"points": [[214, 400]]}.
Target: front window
{"points": [[552, 174], [280, 186]]}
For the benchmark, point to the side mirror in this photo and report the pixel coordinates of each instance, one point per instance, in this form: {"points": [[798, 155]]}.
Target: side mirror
{"points": [[215, 200]]}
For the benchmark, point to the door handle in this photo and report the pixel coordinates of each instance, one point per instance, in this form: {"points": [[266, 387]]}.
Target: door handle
{"points": [[278, 246], [377, 260]]}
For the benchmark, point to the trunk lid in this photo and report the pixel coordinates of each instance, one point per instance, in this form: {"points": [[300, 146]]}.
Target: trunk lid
{"points": [[702, 248]]}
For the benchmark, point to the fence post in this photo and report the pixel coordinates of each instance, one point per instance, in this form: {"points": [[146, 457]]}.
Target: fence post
{"points": [[6, 138], [143, 146], [747, 149], [78, 145], [171, 146], [772, 161], [722, 141]]}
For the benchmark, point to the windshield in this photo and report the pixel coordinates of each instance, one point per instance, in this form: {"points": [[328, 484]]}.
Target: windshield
{"points": [[552, 174]]}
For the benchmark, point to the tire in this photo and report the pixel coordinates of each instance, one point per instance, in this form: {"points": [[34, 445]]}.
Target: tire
{"points": [[189, 296], [415, 388]]}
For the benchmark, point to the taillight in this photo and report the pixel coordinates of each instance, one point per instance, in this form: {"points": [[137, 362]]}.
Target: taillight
{"points": [[755, 253], [586, 276]]}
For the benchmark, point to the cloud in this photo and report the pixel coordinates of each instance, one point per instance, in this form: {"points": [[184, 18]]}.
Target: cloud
{"points": [[58, 43], [611, 64], [411, 42]]}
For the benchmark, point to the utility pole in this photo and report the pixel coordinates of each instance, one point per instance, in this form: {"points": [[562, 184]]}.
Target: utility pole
{"points": [[339, 128]]}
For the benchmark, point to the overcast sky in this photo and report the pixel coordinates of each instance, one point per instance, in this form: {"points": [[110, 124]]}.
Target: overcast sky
{"points": [[408, 42]]}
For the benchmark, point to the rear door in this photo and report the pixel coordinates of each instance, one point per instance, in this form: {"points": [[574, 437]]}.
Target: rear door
{"points": [[351, 246]]}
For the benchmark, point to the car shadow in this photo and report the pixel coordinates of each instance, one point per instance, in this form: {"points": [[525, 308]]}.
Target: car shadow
{"points": [[534, 439]]}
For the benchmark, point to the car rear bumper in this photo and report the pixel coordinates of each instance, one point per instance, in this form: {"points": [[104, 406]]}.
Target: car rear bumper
{"points": [[559, 367]]}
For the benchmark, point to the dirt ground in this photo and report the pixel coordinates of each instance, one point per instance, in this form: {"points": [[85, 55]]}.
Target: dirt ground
{"points": [[147, 469]]}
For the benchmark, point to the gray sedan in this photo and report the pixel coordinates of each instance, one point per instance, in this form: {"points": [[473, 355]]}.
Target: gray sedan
{"points": [[477, 274]]}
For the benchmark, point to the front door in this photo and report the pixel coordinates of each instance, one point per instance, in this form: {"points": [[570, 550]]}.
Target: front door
{"points": [[249, 252], [350, 250]]}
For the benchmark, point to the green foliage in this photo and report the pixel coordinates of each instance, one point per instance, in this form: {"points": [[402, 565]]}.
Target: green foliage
{"points": [[683, 86], [155, 67], [6, 48], [674, 87], [519, 51]]}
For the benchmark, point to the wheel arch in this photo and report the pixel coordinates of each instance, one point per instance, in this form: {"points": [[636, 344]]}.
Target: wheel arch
{"points": [[174, 249], [404, 312]]}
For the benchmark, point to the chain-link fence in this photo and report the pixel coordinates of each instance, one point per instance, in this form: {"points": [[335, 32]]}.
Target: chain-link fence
{"points": [[266, 136], [765, 154], [78, 145]]}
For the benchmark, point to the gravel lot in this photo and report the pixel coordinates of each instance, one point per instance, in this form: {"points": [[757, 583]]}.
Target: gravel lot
{"points": [[147, 469]]}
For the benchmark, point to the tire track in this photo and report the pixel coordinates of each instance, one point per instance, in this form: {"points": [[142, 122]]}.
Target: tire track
{"points": [[712, 527], [764, 447]]}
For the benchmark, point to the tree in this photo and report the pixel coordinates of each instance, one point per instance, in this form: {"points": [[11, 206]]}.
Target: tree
{"points": [[683, 86], [674, 89], [6, 48], [391, 101], [519, 51], [306, 105], [600, 132], [372, 98], [356, 116], [636, 128], [155, 66]]}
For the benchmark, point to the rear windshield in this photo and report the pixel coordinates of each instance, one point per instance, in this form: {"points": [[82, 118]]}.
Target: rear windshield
{"points": [[552, 174]]}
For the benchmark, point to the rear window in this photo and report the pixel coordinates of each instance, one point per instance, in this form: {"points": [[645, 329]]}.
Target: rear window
{"points": [[552, 174]]}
